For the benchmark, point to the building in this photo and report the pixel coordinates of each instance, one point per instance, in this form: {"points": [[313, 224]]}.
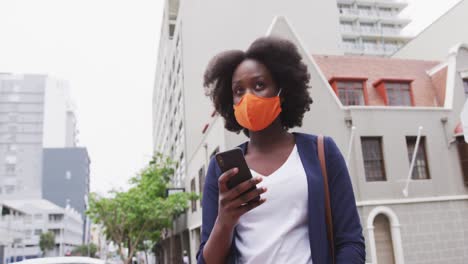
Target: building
{"points": [[372, 27], [39, 216], [65, 177], [33, 113], [375, 107], [448, 26], [10, 234]]}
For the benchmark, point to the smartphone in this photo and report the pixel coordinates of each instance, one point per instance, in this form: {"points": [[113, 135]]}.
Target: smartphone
{"points": [[234, 158]]}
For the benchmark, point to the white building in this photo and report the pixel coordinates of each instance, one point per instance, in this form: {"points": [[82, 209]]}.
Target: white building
{"points": [[443, 34], [35, 112], [372, 27], [33, 217]]}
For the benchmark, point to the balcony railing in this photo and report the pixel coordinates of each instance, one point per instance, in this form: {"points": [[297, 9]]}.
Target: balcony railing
{"points": [[391, 31], [366, 48], [367, 13], [370, 30], [347, 11]]}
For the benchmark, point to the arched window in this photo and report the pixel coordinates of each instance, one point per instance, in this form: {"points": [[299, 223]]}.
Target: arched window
{"points": [[383, 240], [384, 236]]}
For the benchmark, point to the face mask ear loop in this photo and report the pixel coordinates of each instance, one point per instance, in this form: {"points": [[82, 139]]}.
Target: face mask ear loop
{"points": [[279, 93]]}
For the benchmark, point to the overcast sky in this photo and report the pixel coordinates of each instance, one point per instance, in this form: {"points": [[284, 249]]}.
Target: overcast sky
{"points": [[107, 49]]}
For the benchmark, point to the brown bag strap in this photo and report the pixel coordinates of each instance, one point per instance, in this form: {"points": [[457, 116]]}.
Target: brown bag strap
{"points": [[321, 152]]}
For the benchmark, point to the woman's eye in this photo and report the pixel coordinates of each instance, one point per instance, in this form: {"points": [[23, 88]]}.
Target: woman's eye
{"points": [[238, 91], [260, 85]]}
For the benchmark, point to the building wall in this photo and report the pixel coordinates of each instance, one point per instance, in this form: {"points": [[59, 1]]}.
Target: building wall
{"points": [[445, 26], [431, 232], [41, 216], [372, 27], [55, 113], [21, 132], [33, 114], [66, 177]]}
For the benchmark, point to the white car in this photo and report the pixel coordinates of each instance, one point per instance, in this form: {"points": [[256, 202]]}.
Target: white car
{"points": [[63, 260]]}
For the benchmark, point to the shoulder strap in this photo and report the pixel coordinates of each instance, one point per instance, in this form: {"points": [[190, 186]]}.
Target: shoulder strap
{"points": [[321, 152]]}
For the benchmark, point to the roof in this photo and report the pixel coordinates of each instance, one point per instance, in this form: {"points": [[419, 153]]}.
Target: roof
{"points": [[33, 205], [426, 89]]}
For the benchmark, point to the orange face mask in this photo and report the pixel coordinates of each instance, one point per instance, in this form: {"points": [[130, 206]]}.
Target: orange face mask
{"points": [[256, 113]]}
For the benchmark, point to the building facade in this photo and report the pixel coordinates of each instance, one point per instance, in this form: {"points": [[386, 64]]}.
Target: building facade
{"points": [[33, 114], [39, 216], [448, 26], [65, 178], [372, 27]]}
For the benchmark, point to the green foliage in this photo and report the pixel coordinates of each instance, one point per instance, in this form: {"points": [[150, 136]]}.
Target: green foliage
{"points": [[46, 242], [82, 250], [143, 212]]}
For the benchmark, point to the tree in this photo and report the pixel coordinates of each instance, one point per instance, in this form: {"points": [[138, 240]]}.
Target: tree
{"points": [[84, 250], [46, 242], [141, 213]]}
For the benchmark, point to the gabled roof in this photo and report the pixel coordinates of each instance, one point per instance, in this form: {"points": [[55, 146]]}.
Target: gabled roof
{"points": [[425, 87]]}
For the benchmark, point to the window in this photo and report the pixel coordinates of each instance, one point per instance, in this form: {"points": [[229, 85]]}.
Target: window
{"points": [[420, 169], [171, 30], [201, 179], [37, 232], [373, 158], [395, 92], [350, 91], [193, 189], [10, 168], [9, 189], [349, 41], [465, 86], [398, 94], [463, 155]]}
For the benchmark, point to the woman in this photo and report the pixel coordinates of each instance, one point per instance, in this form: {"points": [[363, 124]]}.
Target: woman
{"points": [[263, 92]]}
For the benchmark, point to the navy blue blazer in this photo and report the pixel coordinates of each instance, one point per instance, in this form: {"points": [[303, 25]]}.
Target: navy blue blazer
{"points": [[349, 242]]}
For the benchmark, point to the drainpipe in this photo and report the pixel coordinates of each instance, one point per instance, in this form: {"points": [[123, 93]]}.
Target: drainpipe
{"points": [[416, 147]]}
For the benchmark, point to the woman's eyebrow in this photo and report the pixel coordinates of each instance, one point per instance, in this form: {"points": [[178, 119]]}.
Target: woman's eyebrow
{"points": [[252, 77]]}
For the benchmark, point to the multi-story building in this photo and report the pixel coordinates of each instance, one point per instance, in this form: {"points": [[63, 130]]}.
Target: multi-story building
{"points": [[39, 216], [33, 113], [65, 177], [36, 113], [11, 234], [372, 27], [379, 110]]}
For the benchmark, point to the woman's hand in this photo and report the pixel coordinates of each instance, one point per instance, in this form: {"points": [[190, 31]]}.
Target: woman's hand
{"points": [[235, 202]]}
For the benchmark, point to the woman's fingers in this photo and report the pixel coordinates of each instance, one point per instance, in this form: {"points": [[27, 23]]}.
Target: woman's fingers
{"points": [[224, 178], [247, 197], [249, 206], [242, 188]]}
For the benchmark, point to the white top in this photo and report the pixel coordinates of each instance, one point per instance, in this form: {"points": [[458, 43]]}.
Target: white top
{"points": [[276, 231]]}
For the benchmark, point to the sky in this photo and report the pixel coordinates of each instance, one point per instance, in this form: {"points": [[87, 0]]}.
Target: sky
{"points": [[107, 51]]}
